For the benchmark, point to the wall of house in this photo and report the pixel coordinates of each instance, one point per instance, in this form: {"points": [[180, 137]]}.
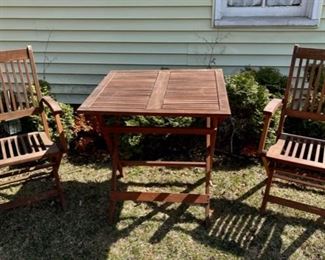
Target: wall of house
{"points": [[77, 42]]}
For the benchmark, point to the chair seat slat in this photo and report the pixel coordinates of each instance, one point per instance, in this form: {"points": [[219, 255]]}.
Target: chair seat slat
{"points": [[17, 146], [307, 155], [30, 152], [3, 151]]}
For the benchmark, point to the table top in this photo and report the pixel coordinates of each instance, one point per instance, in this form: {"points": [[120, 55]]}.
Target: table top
{"points": [[193, 92]]}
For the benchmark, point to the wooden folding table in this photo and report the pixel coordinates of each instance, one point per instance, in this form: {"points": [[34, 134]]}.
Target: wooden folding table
{"points": [[172, 93]]}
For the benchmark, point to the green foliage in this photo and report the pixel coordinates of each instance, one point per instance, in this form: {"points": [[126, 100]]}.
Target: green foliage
{"points": [[315, 129], [158, 121], [45, 88], [275, 82], [271, 78], [153, 146], [88, 141], [67, 117], [247, 100]]}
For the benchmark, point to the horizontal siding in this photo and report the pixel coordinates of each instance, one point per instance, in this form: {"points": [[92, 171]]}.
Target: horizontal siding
{"points": [[188, 24], [167, 25], [253, 37], [77, 42], [104, 3], [43, 49], [107, 13]]}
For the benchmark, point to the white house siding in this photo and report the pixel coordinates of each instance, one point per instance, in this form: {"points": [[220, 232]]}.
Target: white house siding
{"points": [[77, 42]]}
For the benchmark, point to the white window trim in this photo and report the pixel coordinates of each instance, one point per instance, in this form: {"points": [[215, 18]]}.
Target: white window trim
{"points": [[272, 16]]}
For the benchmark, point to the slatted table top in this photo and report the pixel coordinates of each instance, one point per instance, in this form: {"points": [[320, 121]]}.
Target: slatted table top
{"points": [[160, 92]]}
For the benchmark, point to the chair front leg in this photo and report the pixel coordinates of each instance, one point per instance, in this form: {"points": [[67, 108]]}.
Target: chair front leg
{"points": [[270, 173], [63, 140], [58, 185]]}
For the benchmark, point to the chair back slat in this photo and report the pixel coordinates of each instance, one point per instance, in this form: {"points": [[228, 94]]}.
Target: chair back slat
{"points": [[311, 79], [296, 83], [305, 93], [29, 83], [22, 84], [10, 86], [302, 84], [4, 91], [19, 86]]}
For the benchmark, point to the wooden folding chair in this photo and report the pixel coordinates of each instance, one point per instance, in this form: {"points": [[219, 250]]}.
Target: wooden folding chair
{"points": [[29, 156], [295, 158]]}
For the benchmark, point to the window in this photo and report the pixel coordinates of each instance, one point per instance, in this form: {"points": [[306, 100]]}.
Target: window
{"points": [[267, 12]]}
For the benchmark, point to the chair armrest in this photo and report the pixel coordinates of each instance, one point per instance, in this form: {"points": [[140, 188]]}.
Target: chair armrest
{"points": [[272, 106], [52, 104], [268, 111], [57, 111]]}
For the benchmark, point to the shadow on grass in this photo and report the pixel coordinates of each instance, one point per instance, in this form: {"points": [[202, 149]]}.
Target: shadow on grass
{"points": [[240, 229], [82, 231]]}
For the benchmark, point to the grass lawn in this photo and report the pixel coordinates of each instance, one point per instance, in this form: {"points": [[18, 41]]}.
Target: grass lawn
{"points": [[159, 231]]}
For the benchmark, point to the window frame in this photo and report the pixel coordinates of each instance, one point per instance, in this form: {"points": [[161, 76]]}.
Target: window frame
{"points": [[306, 15]]}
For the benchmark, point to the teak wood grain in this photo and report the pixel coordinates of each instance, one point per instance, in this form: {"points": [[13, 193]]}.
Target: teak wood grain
{"points": [[166, 92]]}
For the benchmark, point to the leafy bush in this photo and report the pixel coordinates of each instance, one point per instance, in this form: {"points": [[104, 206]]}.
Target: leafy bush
{"points": [[275, 82], [315, 129], [271, 78], [67, 117], [247, 100], [88, 140], [156, 146]]}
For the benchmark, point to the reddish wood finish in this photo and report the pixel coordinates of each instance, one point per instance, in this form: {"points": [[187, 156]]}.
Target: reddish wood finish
{"points": [[166, 92], [20, 96], [295, 158], [23, 148], [194, 93]]}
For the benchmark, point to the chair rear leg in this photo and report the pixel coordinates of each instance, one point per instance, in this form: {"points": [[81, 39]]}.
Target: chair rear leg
{"points": [[58, 184]]}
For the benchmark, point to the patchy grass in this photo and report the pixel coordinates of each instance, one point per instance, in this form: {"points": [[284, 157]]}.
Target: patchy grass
{"points": [[162, 231]]}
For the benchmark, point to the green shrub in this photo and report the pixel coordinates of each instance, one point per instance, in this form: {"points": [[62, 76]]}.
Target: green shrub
{"points": [[88, 141], [67, 118], [275, 82], [152, 147], [309, 128], [271, 78], [247, 100]]}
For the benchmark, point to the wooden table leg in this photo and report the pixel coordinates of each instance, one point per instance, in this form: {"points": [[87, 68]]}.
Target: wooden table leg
{"points": [[210, 144], [108, 140], [110, 143], [115, 160]]}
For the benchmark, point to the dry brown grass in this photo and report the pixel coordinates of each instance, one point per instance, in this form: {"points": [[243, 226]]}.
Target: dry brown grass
{"points": [[158, 231]]}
